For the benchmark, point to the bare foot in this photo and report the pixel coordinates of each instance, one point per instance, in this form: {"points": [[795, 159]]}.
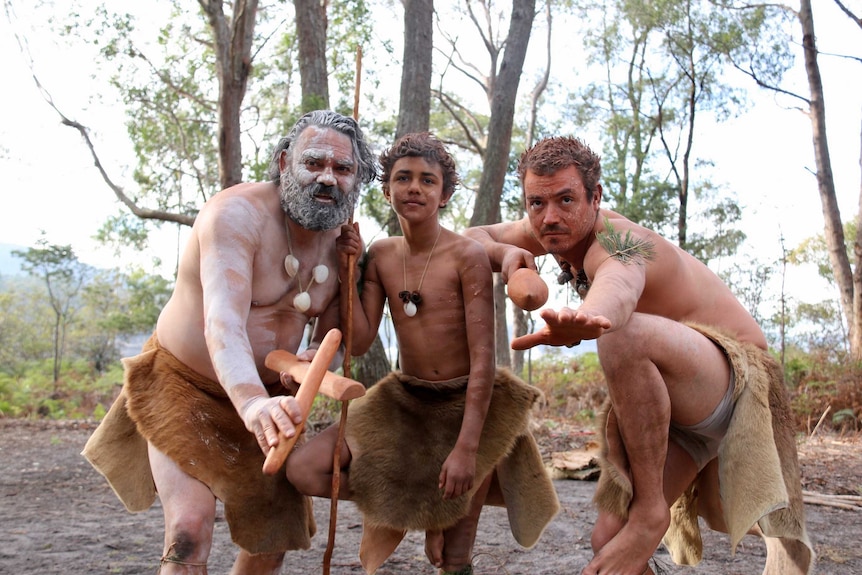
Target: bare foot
{"points": [[628, 552], [434, 547]]}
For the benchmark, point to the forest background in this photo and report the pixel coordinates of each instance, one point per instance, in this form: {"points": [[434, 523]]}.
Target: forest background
{"points": [[710, 116]]}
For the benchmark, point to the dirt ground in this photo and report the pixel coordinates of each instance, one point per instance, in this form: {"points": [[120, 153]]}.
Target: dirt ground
{"points": [[57, 515]]}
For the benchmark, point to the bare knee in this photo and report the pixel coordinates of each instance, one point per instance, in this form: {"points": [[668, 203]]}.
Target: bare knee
{"points": [[184, 545]]}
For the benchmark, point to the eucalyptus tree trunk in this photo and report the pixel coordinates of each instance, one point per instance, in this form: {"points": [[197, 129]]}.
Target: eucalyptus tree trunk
{"points": [[311, 25], [414, 112], [232, 41], [856, 335], [503, 92], [833, 228]]}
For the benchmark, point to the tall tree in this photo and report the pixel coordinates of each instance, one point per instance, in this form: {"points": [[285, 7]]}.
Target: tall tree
{"points": [[233, 36], [849, 287], [414, 110], [311, 25], [663, 65], [849, 282], [63, 276], [503, 91]]}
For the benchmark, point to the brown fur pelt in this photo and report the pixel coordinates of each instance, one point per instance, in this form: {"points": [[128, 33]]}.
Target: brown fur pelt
{"points": [[758, 469], [190, 419], [401, 432]]}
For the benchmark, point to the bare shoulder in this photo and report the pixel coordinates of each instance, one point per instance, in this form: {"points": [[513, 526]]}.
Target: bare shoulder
{"points": [[465, 245], [255, 200], [383, 247]]}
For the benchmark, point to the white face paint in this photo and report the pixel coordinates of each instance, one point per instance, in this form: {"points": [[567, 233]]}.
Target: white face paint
{"points": [[319, 187]]}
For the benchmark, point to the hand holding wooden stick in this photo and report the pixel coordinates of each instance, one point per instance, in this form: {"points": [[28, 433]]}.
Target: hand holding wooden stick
{"points": [[309, 386]]}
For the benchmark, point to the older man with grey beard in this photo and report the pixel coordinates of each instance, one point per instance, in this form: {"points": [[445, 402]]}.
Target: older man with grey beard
{"points": [[199, 410]]}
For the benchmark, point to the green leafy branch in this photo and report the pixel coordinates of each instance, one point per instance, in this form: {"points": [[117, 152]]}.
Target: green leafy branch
{"points": [[628, 249]]}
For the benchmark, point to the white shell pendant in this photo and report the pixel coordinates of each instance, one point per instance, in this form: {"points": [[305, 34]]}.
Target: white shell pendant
{"points": [[410, 309], [291, 265], [320, 273], [302, 301]]}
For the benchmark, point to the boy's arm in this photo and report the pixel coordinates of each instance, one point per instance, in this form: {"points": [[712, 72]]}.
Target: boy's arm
{"points": [[458, 473]]}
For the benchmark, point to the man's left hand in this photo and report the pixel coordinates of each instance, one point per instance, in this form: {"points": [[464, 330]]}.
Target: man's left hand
{"points": [[565, 327]]}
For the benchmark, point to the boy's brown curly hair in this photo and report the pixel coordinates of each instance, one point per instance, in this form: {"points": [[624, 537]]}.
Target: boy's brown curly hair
{"points": [[422, 145]]}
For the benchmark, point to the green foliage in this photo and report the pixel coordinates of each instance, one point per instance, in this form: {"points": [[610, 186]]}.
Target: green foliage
{"points": [[45, 317], [574, 387], [828, 387], [82, 393], [814, 251], [627, 249], [723, 239]]}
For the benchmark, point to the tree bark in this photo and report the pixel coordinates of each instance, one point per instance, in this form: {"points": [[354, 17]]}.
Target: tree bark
{"points": [[415, 107], [833, 228], [232, 46], [856, 335], [504, 91], [311, 26], [501, 332]]}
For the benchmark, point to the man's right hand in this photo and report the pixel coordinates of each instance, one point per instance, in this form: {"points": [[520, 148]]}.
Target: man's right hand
{"points": [[266, 416], [515, 259]]}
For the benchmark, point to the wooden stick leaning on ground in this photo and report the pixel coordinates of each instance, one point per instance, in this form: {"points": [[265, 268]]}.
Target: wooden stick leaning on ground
{"points": [[311, 377], [347, 323]]}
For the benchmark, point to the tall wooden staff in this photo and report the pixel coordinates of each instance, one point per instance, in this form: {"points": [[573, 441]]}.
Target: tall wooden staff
{"points": [[346, 296]]}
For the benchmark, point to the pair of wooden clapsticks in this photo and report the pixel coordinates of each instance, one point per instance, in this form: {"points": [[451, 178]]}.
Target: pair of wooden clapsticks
{"points": [[313, 378]]}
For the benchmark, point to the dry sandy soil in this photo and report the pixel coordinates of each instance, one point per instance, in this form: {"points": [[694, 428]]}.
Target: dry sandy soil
{"points": [[57, 515]]}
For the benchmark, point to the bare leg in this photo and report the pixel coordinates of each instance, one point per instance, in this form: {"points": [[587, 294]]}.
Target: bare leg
{"points": [[459, 539], [434, 547], [309, 467], [655, 369], [189, 508]]}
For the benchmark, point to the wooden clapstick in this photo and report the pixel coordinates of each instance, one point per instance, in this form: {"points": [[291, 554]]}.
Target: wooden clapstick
{"points": [[333, 385], [312, 378], [527, 289]]}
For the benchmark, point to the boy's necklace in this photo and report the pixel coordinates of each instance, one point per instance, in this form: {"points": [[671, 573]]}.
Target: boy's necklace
{"points": [[319, 274], [413, 299]]}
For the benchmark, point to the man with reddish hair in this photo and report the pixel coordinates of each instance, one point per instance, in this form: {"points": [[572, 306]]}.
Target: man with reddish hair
{"points": [[686, 367]]}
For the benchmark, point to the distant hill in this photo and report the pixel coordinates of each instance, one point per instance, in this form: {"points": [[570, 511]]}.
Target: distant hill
{"points": [[9, 264]]}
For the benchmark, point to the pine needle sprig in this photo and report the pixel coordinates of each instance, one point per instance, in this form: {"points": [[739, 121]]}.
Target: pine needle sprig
{"points": [[628, 249]]}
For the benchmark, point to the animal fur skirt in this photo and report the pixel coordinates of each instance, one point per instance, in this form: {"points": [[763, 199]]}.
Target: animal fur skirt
{"points": [[758, 471], [190, 419], [404, 428]]}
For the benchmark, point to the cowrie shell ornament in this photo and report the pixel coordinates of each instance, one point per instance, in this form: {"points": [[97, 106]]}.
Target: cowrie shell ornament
{"points": [[410, 309], [320, 273], [291, 265], [302, 301]]}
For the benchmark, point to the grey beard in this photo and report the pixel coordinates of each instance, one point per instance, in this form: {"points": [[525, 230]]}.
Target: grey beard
{"points": [[299, 204]]}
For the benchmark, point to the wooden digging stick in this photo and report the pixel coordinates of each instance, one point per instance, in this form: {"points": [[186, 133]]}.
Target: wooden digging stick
{"points": [[347, 320], [305, 397]]}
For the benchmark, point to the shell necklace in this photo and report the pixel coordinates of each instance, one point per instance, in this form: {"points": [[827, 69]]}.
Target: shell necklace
{"points": [[413, 299], [319, 274]]}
